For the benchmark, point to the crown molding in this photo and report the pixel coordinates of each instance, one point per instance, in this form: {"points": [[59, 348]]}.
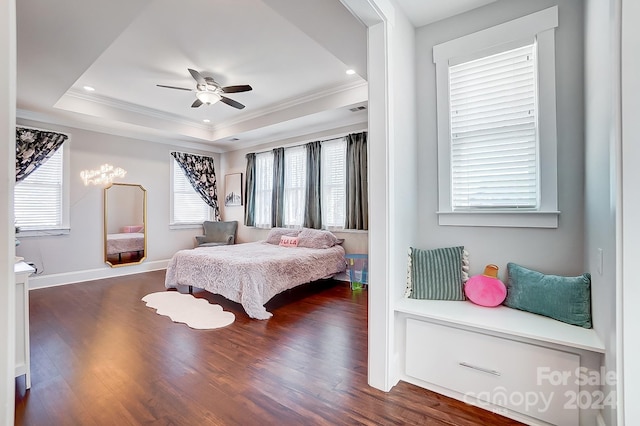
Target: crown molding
{"points": [[292, 102], [301, 138], [126, 130], [205, 139], [154, 113], [133, 108]]}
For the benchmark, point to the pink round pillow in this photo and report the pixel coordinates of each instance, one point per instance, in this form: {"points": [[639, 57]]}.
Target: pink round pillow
{"points": [[486, 289]]}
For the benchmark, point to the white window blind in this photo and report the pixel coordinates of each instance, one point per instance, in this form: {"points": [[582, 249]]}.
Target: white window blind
{"points": [[494, 141], [333, 174], [295, 183], [188, 205], [263, 189], [38, 199]]}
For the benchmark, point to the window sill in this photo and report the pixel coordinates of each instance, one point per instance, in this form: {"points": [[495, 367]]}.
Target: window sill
{"points": [[43, 233], [185, 226], [349, 231], [511, 219]]}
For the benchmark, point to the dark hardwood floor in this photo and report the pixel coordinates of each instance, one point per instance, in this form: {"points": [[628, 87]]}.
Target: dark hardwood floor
{"points": [[101, 357]]}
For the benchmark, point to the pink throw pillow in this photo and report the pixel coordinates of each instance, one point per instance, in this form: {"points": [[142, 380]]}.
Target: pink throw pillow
{"points": [[288, 241], [487, 289], [132, 228], [273, 237]]}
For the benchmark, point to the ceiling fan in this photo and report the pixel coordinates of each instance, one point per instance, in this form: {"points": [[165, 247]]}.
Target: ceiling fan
{"points": [[208, 91]]}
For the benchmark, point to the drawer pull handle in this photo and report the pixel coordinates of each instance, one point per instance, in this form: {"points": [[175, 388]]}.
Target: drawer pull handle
{"points": [[484, 370]]}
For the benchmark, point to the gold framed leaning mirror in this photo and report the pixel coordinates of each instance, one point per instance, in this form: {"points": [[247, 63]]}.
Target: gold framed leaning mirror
{"points": [[125, 224]]}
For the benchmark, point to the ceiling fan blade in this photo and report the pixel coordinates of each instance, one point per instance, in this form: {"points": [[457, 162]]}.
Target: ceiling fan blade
{"points": [[197, 76], [236, 89], [196, 103], [231, 102], [174, 87]]}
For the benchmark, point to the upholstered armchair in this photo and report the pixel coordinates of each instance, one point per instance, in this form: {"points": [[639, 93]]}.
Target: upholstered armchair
{"points": [[217, 233]]}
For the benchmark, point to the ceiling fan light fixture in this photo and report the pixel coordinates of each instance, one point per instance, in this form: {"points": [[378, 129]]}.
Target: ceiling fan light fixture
{"points": [[208, 97]]}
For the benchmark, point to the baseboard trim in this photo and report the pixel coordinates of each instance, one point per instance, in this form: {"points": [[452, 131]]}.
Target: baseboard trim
{"points": [[64, 278]]}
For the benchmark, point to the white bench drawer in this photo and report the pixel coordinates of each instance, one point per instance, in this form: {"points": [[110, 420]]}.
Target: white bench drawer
{"points": [[500, 371]]}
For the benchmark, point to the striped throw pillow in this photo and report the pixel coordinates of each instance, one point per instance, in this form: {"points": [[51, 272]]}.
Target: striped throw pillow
{"points": [[437, 274]]}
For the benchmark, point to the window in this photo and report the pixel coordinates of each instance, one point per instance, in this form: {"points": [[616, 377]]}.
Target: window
{"points": [[188, 208], [264, 185], [493, 131], [497, 125], [41, 199], [295, 191], [295, 185], [333, 170]]}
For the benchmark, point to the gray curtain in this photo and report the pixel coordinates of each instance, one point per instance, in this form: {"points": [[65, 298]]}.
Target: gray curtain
{"points": [[313, 197], [277, 197], [202, 177], [34, 148], [357, 182], [250, 190]]}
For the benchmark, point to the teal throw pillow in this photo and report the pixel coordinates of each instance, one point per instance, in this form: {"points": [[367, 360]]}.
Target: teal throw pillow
{"points": [[566, 299], [437, 274]]}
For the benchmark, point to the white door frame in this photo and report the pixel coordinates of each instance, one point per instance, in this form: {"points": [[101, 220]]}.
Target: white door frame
{"points": [[7, 181], [628, 224], [378, 16]]}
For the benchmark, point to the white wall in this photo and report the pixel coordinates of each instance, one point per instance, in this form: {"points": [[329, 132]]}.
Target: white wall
{"points": [[67, 258], [7, 179], [558, 251], [602, 118], [235, 162], [629, 234]]}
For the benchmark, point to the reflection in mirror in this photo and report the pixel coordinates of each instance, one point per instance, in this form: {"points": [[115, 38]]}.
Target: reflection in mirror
{"points": [[125, 220]]}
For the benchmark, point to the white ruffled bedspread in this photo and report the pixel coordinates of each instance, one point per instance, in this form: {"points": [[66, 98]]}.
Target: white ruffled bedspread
{"points": [[252, 273]]}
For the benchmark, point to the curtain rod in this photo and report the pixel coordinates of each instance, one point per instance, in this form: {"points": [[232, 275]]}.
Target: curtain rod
{"points": [[304, 143]]}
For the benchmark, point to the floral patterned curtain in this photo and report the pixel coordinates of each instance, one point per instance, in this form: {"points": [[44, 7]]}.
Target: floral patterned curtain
{"points": [[34, 148], [202, 176]]}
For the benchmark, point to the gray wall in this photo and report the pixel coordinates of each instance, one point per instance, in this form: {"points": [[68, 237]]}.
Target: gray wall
{"points": [[147, 164], [560, 250]]}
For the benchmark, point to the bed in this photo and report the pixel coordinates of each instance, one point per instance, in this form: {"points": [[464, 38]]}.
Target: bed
{"points": [[125, 242], [252, 273]]}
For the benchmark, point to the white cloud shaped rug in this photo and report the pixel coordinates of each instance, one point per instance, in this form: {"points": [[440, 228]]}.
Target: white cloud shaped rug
{"points": [[195, 312]]}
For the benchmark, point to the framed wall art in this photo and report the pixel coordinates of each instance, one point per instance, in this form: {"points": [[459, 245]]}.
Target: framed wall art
{"points": [[233, 189]]}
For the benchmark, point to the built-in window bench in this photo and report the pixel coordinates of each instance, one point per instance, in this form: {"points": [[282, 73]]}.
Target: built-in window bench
{"points": [[525, 366]]}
